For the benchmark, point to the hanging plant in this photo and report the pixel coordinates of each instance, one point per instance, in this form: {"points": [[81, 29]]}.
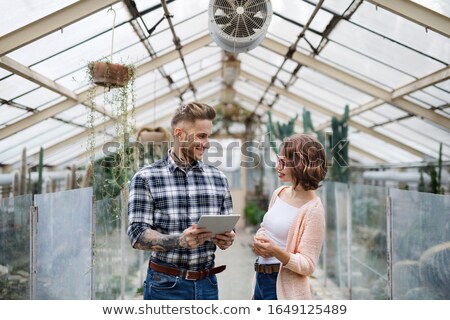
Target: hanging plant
{"points": [[115, 168], [110, 75]]}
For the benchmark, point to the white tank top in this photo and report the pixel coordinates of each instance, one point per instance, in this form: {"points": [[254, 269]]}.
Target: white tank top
{"points": [[277, 222]]}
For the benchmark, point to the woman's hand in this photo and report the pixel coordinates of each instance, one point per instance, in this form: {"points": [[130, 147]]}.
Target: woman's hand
{"points": [[263, 246]]}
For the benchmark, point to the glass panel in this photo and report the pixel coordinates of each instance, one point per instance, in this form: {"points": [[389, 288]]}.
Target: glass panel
{"points": [[37, 98], [50, 131], [300, 12], [363, 67], [438, 93], [385, 52], [25, 12], [404, 31], [390, 111], [426, 98], [260, 73], [254, 65], [283, 31], [369, 243], [337, 268], [378, 148], [15, 86], [440, 6], [63, 245], [363, 120], [421, 243], [414, 139], [10, 113], [73, 38], [117, 264], [15, 247], [337, 6], [336, 87]]}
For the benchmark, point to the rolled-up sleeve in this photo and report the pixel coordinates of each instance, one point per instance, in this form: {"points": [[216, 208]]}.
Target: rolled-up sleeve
{"points": [[140, 208]]}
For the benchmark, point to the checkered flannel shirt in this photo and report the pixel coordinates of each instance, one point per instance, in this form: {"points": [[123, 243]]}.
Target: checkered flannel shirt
{"points": [[168, 199]]}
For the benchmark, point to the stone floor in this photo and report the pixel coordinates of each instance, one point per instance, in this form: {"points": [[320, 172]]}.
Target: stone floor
{"points": [[235, 283]]}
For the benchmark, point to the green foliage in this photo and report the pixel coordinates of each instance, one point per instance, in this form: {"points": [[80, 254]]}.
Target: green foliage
{"points": [[113, 171], [405, 277], [435, 185], [279, 130], [340, 170], [253, 213], [434, 268]]}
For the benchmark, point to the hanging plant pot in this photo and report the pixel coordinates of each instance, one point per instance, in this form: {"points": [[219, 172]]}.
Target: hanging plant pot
{"points": [[107, 74]]}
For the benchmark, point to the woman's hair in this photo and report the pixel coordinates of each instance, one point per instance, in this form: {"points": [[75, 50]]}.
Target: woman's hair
{"points": [[305, 156], [192, 111]]}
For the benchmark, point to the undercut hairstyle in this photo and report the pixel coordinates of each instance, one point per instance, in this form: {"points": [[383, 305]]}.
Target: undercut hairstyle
{"points": [[305, 156], [192, 111]]}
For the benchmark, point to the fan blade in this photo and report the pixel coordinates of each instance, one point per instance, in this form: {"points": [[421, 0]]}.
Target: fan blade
{"points": [[232, 4], [222, 19], [257, 22]]}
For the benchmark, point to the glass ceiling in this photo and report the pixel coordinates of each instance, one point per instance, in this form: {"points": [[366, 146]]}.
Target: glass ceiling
{"points": [[381, 58]]}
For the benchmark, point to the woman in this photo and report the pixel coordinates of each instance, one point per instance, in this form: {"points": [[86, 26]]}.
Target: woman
{"points": [[290, 238]]}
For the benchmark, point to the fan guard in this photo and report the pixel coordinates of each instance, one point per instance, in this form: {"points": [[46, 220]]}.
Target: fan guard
{"points": [[239, 25]]}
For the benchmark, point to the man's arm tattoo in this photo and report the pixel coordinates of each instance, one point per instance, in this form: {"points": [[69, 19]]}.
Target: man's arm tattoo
{"points": [[154, 241]]}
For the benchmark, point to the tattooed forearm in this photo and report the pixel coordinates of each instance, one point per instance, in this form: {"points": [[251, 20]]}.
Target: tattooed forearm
{"points": [[155, 241]]}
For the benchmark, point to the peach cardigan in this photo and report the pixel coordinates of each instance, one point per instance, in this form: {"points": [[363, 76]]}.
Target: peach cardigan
{"points": [[304, 244]]}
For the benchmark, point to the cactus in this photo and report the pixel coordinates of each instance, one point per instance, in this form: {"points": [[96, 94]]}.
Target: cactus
{"points": [[405, 276], [87, 176], [422, 293], [308, 127], [40, 167], [16, 183], [280, 131], [434, 268], [23, 173], [340, 171], [73, 177], [48, 185]]}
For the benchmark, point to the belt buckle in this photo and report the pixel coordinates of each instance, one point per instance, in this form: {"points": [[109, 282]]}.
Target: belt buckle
{"points": [[187, 276]]}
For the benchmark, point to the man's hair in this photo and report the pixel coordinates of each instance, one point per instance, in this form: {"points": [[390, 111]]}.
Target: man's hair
{"points": [[305, 157], [192, 111]]}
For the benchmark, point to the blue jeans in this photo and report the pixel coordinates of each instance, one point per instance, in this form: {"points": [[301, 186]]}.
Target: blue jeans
{"points": [[266, 286], [160, 286]]}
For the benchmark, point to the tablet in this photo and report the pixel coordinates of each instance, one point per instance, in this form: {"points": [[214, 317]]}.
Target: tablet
{"points": [[219, 223]]}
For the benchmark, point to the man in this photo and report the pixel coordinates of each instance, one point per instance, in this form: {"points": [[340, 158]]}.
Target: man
{"points": [[167, 198]]}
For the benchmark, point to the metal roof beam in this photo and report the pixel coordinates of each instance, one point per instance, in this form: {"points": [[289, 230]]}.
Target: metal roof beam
{"points": [[83, 96], [357, 83], [418, 14], [51, 23], [25, 72], [314, 106], [426, 81]]}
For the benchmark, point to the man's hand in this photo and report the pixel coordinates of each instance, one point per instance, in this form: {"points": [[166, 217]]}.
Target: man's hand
{"points": [[193, 237], [224, 240]]}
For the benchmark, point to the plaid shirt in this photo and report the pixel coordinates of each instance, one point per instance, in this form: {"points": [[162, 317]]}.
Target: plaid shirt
{"points": [[168, 199]]}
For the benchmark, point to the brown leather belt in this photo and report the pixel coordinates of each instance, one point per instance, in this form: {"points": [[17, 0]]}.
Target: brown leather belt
{"points": [[267, 268], [185, 274]]}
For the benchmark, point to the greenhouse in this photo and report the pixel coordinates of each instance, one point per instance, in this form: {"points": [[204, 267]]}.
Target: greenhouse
{"points": [[369, 79]]}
